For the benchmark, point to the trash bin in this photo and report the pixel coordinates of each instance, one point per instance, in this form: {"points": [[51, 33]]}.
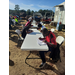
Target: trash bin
{"points": [[60, 27]]}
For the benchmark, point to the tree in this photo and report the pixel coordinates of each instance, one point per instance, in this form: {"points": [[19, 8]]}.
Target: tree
{"points": [[51, 13], [22, 13], [17, 7], [22, 10], [28, 12], [32, 12], [40, 11]]}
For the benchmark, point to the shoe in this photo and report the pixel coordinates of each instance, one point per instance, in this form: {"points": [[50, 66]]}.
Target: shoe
{"points": [[42, 65]]}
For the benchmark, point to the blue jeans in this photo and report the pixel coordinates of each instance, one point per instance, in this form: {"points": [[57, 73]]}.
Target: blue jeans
{"points": [[42, 53]]}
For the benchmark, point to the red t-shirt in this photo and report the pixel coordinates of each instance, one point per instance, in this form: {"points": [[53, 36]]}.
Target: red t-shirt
{"points": [[53, 39]]}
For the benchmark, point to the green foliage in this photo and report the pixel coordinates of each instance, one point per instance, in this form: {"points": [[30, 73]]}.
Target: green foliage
{"points": [[28, 12], [17, 7], [32, 12]]}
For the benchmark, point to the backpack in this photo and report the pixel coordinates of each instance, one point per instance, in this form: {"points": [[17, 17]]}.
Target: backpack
{"points": [[56, 53]]}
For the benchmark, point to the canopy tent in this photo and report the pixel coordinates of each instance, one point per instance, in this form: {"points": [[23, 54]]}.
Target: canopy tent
{"points": [[60, 13], [59, 6]]}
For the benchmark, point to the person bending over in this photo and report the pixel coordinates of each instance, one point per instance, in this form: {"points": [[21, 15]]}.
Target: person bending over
{"points": [[50, 40], [30, 20], [40, 26], [26, 31]]}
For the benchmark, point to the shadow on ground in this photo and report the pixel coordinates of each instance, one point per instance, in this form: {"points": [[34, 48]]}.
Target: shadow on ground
{"points": [[46, 67], [11, 63], [63, 49]]}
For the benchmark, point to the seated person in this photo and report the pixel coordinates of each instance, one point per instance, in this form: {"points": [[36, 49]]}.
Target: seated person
{"points": [[29, 21], [10, 22], [16, 21], [13, 20], [40, 26], [50, 40], [37, 18], [26, 31]]}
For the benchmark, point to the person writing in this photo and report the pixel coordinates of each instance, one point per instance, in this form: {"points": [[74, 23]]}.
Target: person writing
{"points": [[40, 26], [26, 28], [50, 40], [30, 20], [26, 31]]}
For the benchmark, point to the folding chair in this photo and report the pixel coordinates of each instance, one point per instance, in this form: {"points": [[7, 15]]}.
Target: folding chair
{"points": [[19, 37], [59, 41]]}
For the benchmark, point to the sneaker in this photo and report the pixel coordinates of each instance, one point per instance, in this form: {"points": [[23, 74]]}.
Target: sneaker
{"points": [[42, 65]]}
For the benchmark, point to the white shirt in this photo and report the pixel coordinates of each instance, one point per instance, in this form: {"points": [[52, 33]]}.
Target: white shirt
{"points": [[42, 26]]}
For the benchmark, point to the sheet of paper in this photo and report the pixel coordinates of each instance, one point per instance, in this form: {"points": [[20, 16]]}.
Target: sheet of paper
{"points": [[40, 42]]}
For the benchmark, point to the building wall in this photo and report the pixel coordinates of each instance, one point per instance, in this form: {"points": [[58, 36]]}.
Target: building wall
{"points": [[56, 14], [60, 12]]}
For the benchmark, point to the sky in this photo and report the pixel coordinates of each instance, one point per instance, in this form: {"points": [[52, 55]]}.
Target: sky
{"points": [[34, 4]]}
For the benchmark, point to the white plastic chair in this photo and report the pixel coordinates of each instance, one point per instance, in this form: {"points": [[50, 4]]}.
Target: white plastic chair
{"points": [[60, 40], [19, 33], [52, 30]]}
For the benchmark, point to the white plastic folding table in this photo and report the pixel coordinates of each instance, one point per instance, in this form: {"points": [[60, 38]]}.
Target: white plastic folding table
{"points": [[34, 24], [30, 43]]}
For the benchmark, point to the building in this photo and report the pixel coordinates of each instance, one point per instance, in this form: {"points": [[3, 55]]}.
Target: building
{"points": [[60, 13]]}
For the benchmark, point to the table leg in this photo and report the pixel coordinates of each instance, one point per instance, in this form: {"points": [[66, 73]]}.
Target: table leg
{"points": [[31, 58]]}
